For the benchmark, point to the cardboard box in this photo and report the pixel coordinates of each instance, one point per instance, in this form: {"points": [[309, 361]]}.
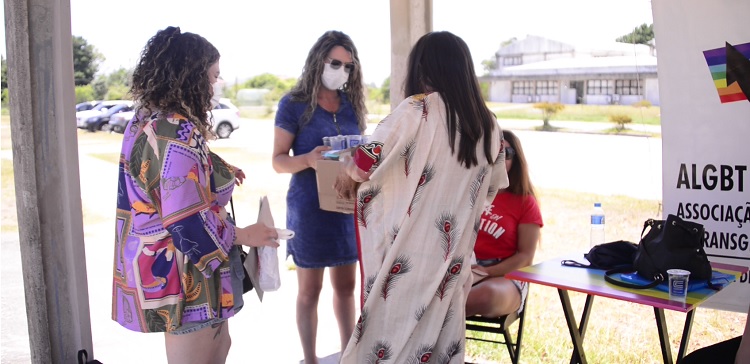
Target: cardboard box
{"points": [[327, 171]]}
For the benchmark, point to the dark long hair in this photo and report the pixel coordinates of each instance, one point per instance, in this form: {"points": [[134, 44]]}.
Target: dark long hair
{"points": [[172, 76], [519, 182], [441, 62], [308, 84]]}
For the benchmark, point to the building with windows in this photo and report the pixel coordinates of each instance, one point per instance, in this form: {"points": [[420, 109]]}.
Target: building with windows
{"points": [[537, 69]]}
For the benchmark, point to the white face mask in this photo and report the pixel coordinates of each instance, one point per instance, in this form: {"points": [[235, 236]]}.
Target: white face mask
{"points": [[334, 79]]}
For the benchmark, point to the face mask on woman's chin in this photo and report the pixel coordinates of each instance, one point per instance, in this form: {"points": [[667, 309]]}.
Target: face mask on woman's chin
{"points": [[333, 79]]}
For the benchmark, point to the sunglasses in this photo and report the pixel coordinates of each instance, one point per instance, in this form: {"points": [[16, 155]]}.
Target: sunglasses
{"points": [[509, 153], [336, 64]]}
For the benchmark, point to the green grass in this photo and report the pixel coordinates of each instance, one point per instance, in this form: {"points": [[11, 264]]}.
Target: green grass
{"points": [[8, 195], [595, 113], [107, 157], [598, 113], [618, 332], [257, 112], [9, 220]]}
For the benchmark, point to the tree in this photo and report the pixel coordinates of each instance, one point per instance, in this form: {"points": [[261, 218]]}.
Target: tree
{"points": [[84, 93], [266, 81], [121, 77], [489, 65], [5, 72], [100, 88], [508, 41], [85, 61], [621, 120], [386, 91], [640, 35], [549, 109], [4, 81], [280, 89]]}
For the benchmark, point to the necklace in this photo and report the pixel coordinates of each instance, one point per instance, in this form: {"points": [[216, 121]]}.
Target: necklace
{"points": [[338, 129]]}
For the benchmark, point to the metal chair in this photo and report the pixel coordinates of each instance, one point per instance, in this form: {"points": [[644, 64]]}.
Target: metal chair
{"points": [[500, 325]]}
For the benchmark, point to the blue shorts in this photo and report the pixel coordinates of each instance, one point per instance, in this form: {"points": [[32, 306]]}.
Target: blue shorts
{"points": [[238, 274]]}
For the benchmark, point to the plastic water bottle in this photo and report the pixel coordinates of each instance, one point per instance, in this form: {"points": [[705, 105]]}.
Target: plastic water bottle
{"points": [[597, 225]]}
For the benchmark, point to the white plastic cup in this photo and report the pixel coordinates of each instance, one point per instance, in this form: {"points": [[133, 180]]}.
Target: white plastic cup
{"points": [[678, 284], [339, 142], [327, 141], [354, 140]]}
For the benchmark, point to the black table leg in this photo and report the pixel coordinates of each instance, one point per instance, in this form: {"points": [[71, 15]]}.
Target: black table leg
{"points": [[686, 335], [661, 325], [576, 333], [585, 315]]}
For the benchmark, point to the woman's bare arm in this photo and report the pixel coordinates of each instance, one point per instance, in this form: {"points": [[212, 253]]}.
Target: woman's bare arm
{"points": [[528, 238], [283, 162]]}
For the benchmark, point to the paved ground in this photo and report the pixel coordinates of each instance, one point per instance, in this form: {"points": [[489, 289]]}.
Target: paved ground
{"points": [[266, 332]]}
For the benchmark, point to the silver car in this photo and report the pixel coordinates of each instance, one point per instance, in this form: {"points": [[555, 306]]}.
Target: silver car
{"points": [[82, 117], [226, 119]]}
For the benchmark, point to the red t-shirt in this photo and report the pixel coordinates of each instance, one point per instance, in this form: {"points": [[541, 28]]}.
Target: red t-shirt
{"points": [[498, 228]]}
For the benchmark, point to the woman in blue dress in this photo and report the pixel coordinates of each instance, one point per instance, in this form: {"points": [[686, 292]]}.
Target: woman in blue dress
{"points": [[327, 100]]}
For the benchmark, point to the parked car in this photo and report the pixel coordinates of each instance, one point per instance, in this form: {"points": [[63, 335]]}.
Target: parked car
{"points": [[87, 105], [226, 119], [83, 116], [119, 121], [96, 122]]}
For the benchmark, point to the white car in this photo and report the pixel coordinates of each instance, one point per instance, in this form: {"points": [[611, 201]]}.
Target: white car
{"points": [[226, 119], [83, 116]]}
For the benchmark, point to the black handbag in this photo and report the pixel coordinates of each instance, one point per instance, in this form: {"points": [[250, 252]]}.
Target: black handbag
{"points": [[615, 254], [669, 244], [247, 284]]}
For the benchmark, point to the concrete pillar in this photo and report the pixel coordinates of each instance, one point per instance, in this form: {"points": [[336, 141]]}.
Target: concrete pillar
{"points": [[410, 20], [48, 192]]}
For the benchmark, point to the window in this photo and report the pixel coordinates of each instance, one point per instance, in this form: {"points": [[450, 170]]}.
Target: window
{"points": [[512, 60], [523, 88], [599, 87], [628, 87], [546, 87]]}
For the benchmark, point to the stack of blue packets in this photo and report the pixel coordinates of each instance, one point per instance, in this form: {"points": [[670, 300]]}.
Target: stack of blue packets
{"points": [[332, 154], [718, 279]]}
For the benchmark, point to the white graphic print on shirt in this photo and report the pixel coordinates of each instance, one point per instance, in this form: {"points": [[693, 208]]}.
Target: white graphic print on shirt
{"points": [[489, 222]]}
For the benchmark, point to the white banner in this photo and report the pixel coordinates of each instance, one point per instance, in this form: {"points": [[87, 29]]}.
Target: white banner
{"points": [[703, 50]]}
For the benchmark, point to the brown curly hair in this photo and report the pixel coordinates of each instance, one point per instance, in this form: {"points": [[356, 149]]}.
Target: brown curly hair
{"points": [[308, 84], [172, 76]]}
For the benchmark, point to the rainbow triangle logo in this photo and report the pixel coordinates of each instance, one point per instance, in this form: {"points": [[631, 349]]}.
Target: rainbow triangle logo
{"points": [[730, 70]]}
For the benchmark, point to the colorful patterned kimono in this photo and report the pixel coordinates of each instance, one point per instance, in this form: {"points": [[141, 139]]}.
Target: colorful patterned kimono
{"points": [[417, 217], [171, 245]]}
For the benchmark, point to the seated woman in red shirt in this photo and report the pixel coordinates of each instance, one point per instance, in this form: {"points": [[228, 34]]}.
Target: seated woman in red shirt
{"points": [[508, 235]]}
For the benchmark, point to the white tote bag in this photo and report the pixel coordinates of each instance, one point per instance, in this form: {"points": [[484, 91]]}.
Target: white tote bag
{"points": [[269, 276]]}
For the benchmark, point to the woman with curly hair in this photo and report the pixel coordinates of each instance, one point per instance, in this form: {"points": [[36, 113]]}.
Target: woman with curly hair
{"points": [[327, 100], [177, 265]]}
